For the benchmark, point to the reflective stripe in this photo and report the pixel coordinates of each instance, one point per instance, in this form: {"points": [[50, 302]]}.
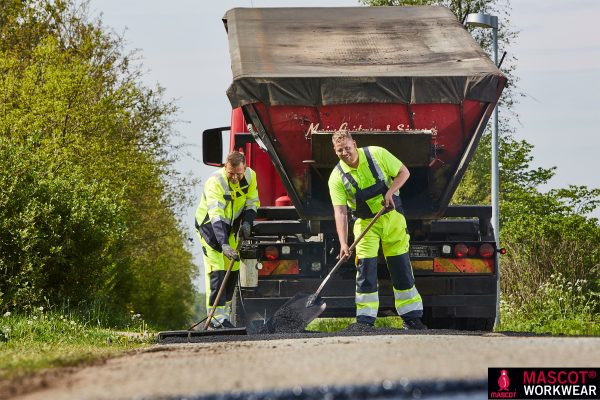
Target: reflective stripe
{"points": [[248, 175], [251, 203], [380, 176], [351, 198], [223, 182], [346, 183], [367, 304], [215, 204], [218, 218], [406, 306], [251, 207], [367, 297], [220, 313], [369, 311], [405, 294]]}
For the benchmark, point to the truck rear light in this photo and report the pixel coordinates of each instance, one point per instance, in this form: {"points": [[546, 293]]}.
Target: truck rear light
{"points": [[446, 249], [472, 251], [271, 253], [285, 250], [502, 251], [315, 267], [461, 250], [486, 250]]}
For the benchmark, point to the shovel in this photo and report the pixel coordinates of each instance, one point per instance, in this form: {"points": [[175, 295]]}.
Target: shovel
{"points": [[303, 308]]}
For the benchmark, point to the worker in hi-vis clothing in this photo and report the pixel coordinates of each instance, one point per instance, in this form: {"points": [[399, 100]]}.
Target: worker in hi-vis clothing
{"points": [[364, 180], [230, 198]]}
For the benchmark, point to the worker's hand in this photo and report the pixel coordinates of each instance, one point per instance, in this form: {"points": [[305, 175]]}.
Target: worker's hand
{"points": [[230, 253], [388, 200], [344, 251], [246, 229]]}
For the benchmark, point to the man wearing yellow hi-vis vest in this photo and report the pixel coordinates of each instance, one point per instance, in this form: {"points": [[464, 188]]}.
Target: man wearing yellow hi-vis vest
{"points": [[364, 180], [229, 202]]}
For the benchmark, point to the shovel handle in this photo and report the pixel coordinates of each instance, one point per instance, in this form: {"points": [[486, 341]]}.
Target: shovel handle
{"points": [[350, 250]]}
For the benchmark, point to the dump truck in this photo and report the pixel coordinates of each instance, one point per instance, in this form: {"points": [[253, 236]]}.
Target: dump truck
{"points": [[410, 79]]}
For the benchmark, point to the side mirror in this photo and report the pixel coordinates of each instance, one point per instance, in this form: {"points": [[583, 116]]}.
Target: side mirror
{"points": [[212, 146]]}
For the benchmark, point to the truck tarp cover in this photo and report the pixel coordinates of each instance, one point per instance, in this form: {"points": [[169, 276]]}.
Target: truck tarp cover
{"points": [[326, 56]]}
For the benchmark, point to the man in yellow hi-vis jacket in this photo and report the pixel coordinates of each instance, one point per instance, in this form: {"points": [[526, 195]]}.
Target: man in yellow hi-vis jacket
{"points": [[364, 180], [230, 199]]}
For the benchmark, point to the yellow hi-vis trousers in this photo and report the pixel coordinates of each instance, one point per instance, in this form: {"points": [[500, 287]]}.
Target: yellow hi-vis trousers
{"points": [[390, 230], [215, 266]]}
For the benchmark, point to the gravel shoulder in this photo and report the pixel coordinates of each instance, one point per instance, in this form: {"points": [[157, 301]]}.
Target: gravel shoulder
{"points": [[226, 366]]}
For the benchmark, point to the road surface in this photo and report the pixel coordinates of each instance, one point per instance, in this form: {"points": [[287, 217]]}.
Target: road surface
{"points": [[201, 368]]}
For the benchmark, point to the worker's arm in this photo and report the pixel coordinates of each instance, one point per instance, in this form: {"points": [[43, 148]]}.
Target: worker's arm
{"points": [[252, 200], [341, 226], [216, 210], [397, 183]]}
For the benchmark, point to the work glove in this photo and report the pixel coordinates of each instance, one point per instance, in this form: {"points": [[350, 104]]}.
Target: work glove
{"points": [[246, 229], [229, 252]]}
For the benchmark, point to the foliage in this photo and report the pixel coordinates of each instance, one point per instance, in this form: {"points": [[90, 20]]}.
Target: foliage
{"points": [[569, 308], [90, 192]]}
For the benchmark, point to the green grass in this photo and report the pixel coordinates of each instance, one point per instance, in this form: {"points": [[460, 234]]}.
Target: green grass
{"points": [[43, 340], [336, 324]]}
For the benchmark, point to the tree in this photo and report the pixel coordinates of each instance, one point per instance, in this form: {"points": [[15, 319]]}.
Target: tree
{"points": [[89, 212]]}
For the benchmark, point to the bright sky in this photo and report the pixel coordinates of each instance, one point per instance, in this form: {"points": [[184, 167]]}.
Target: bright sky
{"points": [[184, 46]]}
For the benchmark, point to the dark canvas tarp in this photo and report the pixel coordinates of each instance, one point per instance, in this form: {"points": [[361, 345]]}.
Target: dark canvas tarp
{"points": [[324, 56]]}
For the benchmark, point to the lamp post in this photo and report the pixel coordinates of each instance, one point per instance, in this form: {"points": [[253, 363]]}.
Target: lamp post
{"points": [[491, 21]]}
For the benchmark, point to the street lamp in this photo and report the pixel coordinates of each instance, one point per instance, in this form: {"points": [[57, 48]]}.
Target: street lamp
{"points": [[491, 21]]}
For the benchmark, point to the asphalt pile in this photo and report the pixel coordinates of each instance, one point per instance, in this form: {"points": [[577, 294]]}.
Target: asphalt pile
{"points": [[285, 320]]}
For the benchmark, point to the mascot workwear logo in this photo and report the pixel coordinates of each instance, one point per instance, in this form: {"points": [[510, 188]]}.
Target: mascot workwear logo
{"points": [[503, 381], [543, 383], [504, 391]]}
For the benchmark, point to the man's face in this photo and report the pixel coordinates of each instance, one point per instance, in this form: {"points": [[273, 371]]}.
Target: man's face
{"points": [[345, 149], [235, 174]]}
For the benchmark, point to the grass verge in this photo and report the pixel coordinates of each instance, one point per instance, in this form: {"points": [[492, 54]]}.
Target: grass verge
{"points": [[558, 306], [48, 339]]}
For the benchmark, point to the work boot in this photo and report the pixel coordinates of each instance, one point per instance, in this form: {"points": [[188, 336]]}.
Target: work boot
{"points": [[220, 325], [414, 324], [365, 321], [227, 325]]}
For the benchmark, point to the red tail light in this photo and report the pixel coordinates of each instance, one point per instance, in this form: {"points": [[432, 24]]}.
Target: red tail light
{"points": [[461, 250], [271, 253], [472, 251], [502, 251], [486, 250]]}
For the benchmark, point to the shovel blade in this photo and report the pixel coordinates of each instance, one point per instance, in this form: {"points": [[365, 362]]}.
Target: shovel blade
{"points": [[296, 314]]}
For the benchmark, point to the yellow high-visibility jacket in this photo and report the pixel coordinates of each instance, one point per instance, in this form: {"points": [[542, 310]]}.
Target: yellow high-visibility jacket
{"points": [[224, 206]]}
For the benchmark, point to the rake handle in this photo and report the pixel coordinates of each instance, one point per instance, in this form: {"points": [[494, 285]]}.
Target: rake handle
{"points": [[219, 293]]}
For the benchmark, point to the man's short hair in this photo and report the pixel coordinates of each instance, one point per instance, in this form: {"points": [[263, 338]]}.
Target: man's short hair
{"points": [[235, 158], [340, 135]]}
